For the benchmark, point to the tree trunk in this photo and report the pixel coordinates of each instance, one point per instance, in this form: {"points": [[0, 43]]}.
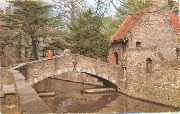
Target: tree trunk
{"points": [[34, 46], [72, 12]]}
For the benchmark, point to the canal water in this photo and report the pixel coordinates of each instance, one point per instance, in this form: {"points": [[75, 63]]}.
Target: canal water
{"points": [[69, 98]]}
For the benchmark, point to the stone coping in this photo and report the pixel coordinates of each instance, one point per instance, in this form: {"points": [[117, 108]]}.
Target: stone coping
{"points": [[28, 98]]}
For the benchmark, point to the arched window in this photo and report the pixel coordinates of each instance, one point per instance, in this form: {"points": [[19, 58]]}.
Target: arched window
{"points": [[148, 65], [114, 59], [116, 56]]}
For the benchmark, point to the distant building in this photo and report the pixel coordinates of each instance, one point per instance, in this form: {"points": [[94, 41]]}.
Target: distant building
{"points": [[14, 51]]}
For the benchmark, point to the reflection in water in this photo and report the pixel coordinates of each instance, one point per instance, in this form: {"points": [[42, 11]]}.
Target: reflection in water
{"points": [[68, 98], [63, 105]]}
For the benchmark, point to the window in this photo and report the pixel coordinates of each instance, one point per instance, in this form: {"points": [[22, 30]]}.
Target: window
{"points": [[116, 56], [26, 51], [177, 53], [148, 65], [1, 51], [19, 52], [138, 44]]}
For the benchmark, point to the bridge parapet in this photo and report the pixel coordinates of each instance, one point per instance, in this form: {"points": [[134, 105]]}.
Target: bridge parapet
{"points": [[104, 70], [39, 70]]}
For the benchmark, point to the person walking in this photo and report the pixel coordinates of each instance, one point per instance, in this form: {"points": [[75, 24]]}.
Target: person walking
{"points": [[49, 54]]}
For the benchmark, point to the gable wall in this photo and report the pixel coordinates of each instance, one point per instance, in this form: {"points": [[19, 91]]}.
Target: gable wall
{"points": [[154, 31], [158, 43]]}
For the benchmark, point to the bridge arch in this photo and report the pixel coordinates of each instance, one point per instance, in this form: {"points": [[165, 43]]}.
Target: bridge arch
{"points": [[39, 70]]}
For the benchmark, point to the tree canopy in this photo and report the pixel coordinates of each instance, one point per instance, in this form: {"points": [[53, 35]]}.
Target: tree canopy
{"points": [[132, 6], [86, 36], [30, 18]]}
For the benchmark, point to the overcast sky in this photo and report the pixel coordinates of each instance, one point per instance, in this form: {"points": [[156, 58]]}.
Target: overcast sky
{"points": [[4, 4]]}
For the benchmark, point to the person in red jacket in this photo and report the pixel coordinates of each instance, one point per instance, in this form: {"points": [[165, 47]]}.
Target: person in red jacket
{"points": [[49, 54]]}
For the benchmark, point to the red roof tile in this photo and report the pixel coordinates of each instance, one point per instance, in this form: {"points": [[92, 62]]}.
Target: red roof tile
{"points": [[174, 21], [129, 23]]}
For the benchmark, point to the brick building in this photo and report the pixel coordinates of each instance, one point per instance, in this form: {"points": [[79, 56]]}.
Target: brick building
{"points": [[147, 46]]}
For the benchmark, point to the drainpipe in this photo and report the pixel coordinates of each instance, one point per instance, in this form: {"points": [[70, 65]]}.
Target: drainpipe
{"points": [[177, 53], [124, 62], [125, 76]]}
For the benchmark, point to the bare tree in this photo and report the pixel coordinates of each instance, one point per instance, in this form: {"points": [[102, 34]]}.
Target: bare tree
{"points": [[68, 10]]}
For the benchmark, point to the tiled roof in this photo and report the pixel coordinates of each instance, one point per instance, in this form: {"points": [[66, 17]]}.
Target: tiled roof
{"points": [[174, 21], [129, 23]]}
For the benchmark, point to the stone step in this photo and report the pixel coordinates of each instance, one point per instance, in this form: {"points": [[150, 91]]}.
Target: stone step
{"points": [[46, 94], [98, 90], [8, 89]]}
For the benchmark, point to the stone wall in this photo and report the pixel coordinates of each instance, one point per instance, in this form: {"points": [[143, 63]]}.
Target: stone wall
{"points": [[155, 30], [104, 70], [163, 72], [3, 74], [9, 58], [116, 47], [28, 99], [161, 85], [38, 70], [92, 69], [160, 80]]}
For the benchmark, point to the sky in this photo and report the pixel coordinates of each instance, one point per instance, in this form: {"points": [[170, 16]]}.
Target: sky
{"points": [[3, 4], [112, 10]]}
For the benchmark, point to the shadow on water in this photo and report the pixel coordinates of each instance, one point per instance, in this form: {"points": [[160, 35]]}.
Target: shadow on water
{"points": [[68, 98]]}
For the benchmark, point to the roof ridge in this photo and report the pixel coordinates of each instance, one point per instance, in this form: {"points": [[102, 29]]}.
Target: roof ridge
{"points": [[129, 23]]}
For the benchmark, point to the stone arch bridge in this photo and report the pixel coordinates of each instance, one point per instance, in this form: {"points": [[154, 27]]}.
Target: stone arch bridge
{"points": [[38, 70]]}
